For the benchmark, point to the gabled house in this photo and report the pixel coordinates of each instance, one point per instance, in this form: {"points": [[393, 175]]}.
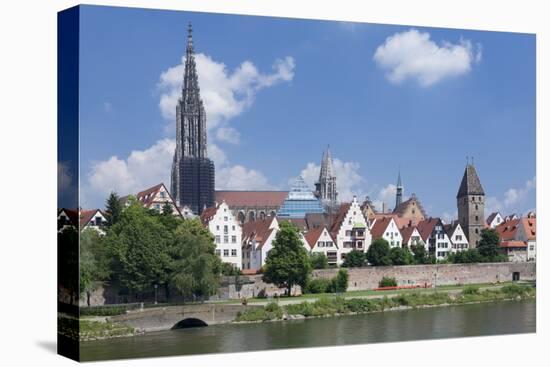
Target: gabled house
{"points": [[520, 229], [494, 220], [156, 198], [81, 220], [459, 241], [411, 210], [319, 240], [436, 240], [257, 241], [387, 229], [227, 233], [411, 236], [350, 230]]}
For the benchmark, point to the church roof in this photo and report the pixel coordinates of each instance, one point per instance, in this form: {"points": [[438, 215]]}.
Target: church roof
{"points": [[258, 199], [470, 184]]}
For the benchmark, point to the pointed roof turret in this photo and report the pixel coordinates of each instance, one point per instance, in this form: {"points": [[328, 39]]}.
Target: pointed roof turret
{"points": [[399, 178], [190, 90], [326, 164], [470, 185]]}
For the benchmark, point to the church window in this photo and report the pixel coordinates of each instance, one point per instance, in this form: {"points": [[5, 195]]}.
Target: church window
{"points": [[477, 217], [477, 207]]}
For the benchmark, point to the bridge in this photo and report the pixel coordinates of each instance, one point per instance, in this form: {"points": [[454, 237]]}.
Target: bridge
{"points": [[172, 317]]}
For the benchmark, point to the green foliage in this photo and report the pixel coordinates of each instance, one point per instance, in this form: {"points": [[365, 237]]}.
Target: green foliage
{"points": [[420, 255], [514, 290], [167, 209], [388, 282], [465, 257], [339, 284], [287, 263], [354, 259], [103, 311], [138, 246], [378, 253], [94, 261], [317, 286], [271, 311], [230, 270], [401, 256], [488, 245], [113, 209], [318, 260], [194, 267], [471, 289]]}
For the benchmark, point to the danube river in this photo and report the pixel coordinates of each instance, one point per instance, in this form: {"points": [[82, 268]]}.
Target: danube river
{"points": [[439, 322]]}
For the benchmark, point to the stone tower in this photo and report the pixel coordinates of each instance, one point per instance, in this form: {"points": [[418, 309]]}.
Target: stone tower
{"points": [[192, 180], [326, 186], [399, 191], [470, 201]]}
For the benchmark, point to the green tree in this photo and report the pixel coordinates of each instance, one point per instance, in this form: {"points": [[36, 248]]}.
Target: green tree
{"points": [[339, 284], [195, 268], [488, 245], [167, 209], [354, 259], [138, 245], [401, 256], [387, 282], [113, 209], [378, 253], [318, 260], [94, 262], [287, 263], [420, 255], [230, 270]]}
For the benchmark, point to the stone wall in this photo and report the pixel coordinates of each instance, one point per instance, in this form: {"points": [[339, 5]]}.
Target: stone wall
{"points": [[359, 279], [441, 274]]}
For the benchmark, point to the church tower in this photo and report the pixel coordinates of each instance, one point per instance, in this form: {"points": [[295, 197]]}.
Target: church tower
{"points": [[326, 186], [192, 180], [399, 190], [470, 201]]}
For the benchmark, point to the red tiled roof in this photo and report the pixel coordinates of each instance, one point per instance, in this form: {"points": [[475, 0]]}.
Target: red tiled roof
{"points": [[403, 206], [512, 244], [257, 230], [379, 227], [406, 233], [207, 215], [251, 198], [312, 236], [340, 217], [71, 214], [426, 227], [399, 221], [86, 216], [146, 196], [508, 230]]}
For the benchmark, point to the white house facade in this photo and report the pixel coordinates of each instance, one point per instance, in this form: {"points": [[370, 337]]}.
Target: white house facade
{"points": [[459, 242], [227, 233], [387, 229], [319, 240], [350, 230]]}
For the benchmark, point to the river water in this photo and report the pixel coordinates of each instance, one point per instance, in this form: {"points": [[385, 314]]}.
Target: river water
{"points": [[432, 323]]}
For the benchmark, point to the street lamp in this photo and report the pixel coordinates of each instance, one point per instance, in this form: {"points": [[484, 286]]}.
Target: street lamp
{"points": [[156, 286]]}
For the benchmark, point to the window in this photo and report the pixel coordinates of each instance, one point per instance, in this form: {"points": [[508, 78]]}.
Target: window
{"points": [[225, 239], [233, 239], [218, 252], [321, 244], [217, 239], [217, 228], [225, 229], [477, 230], [328, 244], [225, 219], [477, 217], [348, 233], [359, 244], [233, 227], [98, 221], [233, 252], [226, 252], [347, 244], [157, 206], [162, 195]]}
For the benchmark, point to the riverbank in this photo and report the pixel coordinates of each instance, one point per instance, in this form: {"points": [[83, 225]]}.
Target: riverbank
{"points": [[337, 306]]}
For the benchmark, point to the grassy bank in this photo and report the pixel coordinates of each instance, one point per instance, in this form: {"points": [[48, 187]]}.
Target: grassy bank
{"points": [[341, 306], [87, 329]]}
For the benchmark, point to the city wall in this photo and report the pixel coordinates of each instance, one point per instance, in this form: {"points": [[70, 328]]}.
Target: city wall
{"points": [[359, 279]]}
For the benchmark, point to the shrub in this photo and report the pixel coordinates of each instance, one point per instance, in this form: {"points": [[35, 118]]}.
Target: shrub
{"points": [[339, 284], [318, 260], [318, 285], [471, 289], [103, 311], [354, 259], [388, 282]]}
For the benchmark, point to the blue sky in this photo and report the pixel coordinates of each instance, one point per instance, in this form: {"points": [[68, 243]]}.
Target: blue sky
{"points": [[277, 91]]}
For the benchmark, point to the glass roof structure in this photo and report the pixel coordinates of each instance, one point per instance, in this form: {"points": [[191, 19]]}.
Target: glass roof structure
{"points": [[300, 201]]}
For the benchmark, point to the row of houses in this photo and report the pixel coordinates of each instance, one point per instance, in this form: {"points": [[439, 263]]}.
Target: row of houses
{"points": [[352, 227]]}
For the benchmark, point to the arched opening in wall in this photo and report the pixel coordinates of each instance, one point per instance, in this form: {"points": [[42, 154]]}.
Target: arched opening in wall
{"points": [[251, 216], [241, 217], [262, 215], [189, 323]]}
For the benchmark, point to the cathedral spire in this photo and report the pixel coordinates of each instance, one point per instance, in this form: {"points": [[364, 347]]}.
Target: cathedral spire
{"points": [[326, 186], [399, 190]]}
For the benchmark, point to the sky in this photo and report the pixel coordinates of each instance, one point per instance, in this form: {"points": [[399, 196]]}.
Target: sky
{"points": [[278, 91]]}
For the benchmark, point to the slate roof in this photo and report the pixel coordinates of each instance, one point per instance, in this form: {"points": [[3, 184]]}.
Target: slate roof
{"points": [[257, 230], [491, 217], [470, 184]]}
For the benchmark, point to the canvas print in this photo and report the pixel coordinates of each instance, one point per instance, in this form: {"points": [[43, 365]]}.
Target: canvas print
{"points": [[235, 183]]}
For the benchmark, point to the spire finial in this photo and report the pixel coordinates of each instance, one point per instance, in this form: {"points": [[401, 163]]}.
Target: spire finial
{"points": [[189, 37]]}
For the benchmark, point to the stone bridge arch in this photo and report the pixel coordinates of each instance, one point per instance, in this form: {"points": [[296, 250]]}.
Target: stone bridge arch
{"points": [[190, 322]]}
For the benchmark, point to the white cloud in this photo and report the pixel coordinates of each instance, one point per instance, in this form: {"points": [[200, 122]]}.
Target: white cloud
{"points": [[513, 201], [140, 170], [225, 94], [448, 217], [413, 55], [228, 134], [385, 198], [348, 179], [241, 178], [64, 177]]}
